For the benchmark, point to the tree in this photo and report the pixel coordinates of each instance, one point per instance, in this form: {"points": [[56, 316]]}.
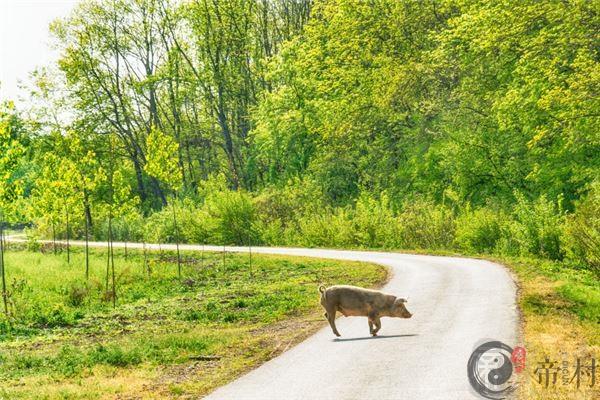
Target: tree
{"points": [[11, 152], [164, 166]]}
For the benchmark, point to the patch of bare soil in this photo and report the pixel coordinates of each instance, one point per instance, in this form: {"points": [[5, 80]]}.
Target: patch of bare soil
{"points": [[274, 340]]}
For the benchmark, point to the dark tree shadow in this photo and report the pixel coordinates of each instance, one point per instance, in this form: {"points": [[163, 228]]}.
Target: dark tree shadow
{"points": [[373, 337]]}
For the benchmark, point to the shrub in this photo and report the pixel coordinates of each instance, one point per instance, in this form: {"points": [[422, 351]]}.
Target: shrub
{"points": [[127, 227], [373, 222], [77, 293], [234, 217], [535, 229], [114, 355], [330, 229], [26, 362], [581, 236], [33, 243], [69, 361], [195, 223], [160, 227], [288, 203], [273, 232], [51, 318], [424, 225], [480, 230]]}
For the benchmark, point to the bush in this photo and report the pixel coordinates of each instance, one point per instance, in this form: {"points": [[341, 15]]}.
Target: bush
{"points": [[535, 229], [114, 355], [33, 243], [424, 225], [227, 217], [330, 229], [480, 230], [581, 236], [160, 227], [287, 204], [280, 209], [51, 318], [77, 293], [69, 361], [128, 227], [194, 224], [374, 224], [234, 218]]}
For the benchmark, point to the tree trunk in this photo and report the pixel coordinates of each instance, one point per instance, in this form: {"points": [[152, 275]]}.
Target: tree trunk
{"points": [[54, 237], [88, 213], [2, 267], [176, 239], [139, 177], [87, 250], [68, 237]]}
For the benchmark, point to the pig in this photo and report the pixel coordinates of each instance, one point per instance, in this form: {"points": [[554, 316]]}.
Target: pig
{"points": [[354, 301]]}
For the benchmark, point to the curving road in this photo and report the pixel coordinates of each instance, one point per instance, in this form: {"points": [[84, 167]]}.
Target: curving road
{"points": [[456, 302]]}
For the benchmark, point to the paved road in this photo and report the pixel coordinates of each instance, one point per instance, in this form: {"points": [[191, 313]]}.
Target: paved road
{"points": [[456, 302]]}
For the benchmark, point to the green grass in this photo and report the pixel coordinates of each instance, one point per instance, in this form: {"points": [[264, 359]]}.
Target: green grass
{"points": [[64, 339], [560, 314], [574, 292]]}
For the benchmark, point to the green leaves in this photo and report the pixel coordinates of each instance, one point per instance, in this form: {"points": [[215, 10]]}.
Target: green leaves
{"points": [[162, 161], [12, 152]]}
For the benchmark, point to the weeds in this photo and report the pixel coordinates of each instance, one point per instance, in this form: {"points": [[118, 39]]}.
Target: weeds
{"points": [[68, 334]]}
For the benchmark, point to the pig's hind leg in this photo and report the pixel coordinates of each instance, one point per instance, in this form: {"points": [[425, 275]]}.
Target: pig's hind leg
{"points": [[330, 314]]}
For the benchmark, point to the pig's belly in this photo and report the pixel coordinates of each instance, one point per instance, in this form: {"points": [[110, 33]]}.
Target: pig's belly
{"points": [[352, 312]]}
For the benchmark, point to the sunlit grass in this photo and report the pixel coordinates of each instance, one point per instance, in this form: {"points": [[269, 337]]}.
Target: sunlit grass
{"points": [[241, 314], [561, 315]]}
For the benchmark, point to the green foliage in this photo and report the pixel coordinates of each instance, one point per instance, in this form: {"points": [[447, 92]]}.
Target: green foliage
{"points": [[481, 230], [582, 230], [536, 228], [327, 229], [12, 153], [233, 216], [426, 225], [195, 225], [162, 162], [77, 294], [374, 223], [392, 124], [159, 320], [576, 291], [114, 355]]}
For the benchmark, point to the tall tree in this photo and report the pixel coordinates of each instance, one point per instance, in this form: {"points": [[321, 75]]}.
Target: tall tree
{"points": [[164, 166], [11, 153]]}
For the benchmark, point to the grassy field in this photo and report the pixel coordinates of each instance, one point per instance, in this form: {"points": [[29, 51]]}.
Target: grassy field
{"points": [[560, 315], [167, 337], [179, 338]]}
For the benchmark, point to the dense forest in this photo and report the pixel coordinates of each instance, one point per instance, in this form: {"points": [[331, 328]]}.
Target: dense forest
{"points": [[458, 124]]}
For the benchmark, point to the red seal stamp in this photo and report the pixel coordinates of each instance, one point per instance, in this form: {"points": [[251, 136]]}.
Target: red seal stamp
{"points": [[518, 359]]}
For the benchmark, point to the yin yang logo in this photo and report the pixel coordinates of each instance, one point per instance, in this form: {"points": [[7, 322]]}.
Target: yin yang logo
{"points": [[489, 370]]}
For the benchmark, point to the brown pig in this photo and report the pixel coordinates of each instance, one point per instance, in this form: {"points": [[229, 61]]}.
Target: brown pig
{"points": [[354, 301]]}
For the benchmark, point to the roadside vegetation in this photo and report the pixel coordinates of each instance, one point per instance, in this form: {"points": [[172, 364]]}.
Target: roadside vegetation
{"points": [[167, 337], [560, 311]]}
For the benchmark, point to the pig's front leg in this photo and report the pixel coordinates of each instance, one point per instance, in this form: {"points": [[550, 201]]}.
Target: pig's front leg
{"points": [[377, 322]]}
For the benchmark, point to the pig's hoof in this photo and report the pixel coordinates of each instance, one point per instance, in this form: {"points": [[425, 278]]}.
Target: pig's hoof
{"points": [[374, 334], [337, 334]]}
